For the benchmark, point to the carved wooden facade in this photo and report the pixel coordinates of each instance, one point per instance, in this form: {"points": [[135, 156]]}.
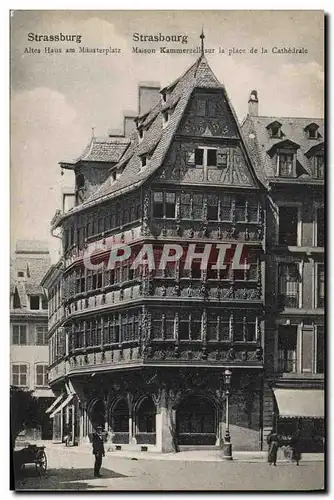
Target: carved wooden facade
{"points": [[183, 327]]}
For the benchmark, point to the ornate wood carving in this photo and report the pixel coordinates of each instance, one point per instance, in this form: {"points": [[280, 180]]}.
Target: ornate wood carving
{"points": [[146, 214]]}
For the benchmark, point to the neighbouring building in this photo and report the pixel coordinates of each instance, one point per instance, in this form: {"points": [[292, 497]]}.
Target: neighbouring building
{"points": [[143, 351], [29, 353], [288, 154]]}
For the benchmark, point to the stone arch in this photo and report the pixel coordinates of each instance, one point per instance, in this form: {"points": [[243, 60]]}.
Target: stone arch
{"points": [[119, 415], [145, 420], [197, 419], [144, 411], [96, 412]]}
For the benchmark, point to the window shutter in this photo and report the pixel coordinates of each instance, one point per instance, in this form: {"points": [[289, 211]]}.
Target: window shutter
{"points": [[190, 157], [223, 158]]}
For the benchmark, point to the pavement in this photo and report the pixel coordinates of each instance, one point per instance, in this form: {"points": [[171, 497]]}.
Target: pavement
{"points": [[206, 455], [71, 469]]}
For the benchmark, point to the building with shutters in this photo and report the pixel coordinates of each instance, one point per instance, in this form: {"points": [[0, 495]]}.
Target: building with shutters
{"points": [[288, 154], [29, 353], [143, 351]]}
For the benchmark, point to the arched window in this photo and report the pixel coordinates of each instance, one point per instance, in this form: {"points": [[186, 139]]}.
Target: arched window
{"points": [[97, 414], [146, 416], [196, 421], [120, 416]]}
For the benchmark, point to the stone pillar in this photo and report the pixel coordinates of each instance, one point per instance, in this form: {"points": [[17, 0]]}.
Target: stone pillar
{"points": [[165, 423], [132, 418], [132, 439], [82, 420]]}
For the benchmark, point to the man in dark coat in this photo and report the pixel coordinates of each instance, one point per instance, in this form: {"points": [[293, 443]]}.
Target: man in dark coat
{"points": [[272, 440], [295, 446], [98, 450]]}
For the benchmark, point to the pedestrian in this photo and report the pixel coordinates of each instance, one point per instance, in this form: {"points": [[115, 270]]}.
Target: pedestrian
{"points": [[98, 450], [272, 440], [295, 447]]}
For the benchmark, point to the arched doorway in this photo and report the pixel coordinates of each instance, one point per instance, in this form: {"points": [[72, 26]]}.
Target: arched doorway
{"points": [[145, 421], [119, 421], [196, 421], [97, 413]]}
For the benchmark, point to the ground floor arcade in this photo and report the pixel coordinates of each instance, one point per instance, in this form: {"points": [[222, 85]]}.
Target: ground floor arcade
{"points": [[162, 411]]}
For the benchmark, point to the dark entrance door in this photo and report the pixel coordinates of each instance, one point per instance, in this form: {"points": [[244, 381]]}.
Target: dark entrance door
{"points": [[196, 421]]}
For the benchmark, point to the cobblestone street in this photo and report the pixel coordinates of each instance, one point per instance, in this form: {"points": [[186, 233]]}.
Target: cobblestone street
{"points": [[72, 469]]}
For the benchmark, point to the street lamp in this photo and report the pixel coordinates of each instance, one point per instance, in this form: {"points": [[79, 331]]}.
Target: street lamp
{"points": [[227, 446]]}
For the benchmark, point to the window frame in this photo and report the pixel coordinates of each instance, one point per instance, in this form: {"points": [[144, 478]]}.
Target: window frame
{"points": [[45, 335], [26, 333], [34, 296], [44, 375], [297, 360], [285, 152], [300, 266], [316, 207], [315, 285], [316, 359], [316, 166], [164, 204], [295, 204], [19, 374]]}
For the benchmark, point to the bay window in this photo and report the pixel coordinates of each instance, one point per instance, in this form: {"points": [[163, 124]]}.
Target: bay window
{"points": [[164, 204]]}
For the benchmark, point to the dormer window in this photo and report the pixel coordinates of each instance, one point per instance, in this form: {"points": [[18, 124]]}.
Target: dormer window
{"points": [[141, 133], [274, 130], [165, 117], [286, 164], [143, 161], [114, 175], [312, 131], [164, 96]]}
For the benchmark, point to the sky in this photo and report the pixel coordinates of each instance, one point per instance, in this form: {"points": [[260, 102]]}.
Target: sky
{"points": [[57, 98]]}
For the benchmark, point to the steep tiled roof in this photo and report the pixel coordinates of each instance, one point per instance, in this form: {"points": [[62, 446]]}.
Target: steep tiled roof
{"points": [[259, 141], [103, 149], [157, 137], [33, 258]]}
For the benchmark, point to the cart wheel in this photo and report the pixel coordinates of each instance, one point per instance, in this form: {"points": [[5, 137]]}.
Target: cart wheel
{"points": [[41, 462]]}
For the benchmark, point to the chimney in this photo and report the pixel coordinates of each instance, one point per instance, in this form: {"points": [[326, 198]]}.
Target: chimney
{"points": [[129, 122], [149, 96], [253, 104]]}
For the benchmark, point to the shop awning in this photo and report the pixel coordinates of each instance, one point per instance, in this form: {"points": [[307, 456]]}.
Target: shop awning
{"points": [[54, 404], [62, 405], [300, 403]]}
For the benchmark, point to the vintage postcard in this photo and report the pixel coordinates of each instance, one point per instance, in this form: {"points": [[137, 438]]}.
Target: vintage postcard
{"points": [[167, 266]]}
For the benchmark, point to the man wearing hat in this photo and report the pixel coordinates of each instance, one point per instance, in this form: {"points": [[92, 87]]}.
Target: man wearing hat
{"points": [[98, 449]]}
